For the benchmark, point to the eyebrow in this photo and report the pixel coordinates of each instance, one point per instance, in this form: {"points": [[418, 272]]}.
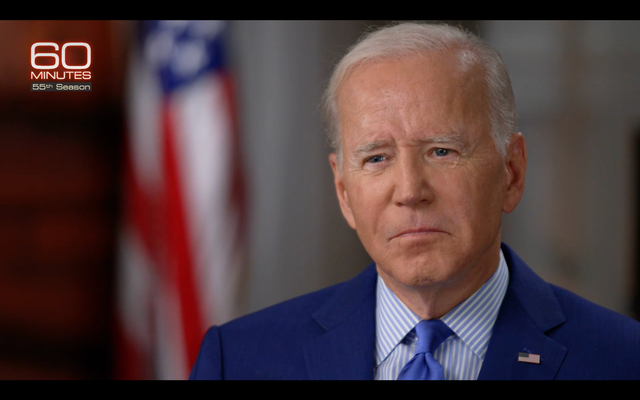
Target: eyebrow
{"points": [[455, 138]]}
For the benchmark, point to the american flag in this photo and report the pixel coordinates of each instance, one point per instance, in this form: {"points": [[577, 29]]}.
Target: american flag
{"points": [[181, 251], [529, 358]]}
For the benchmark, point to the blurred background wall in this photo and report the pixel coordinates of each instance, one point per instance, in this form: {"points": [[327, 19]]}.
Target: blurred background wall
{"points": [[61, 166]]}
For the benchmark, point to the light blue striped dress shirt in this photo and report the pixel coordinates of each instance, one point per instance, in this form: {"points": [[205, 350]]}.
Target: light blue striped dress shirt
{"points": [[461, 355]]}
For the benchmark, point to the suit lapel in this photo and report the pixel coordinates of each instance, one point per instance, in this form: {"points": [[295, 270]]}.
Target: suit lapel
{"points": [[346, 349], [529, 309]]}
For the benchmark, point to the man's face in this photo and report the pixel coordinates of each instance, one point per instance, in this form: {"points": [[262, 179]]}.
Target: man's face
{"points": [[422, 181]]}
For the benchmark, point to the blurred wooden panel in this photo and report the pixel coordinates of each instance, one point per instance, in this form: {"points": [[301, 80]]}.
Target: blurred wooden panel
{"points": [[36, 167], [59, 174], [61, 308], [21, 370], [54, 243], [71, 241]]}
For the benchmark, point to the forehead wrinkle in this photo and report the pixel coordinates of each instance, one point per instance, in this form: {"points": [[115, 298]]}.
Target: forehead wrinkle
{"points": [[455, 138], [370, 146], [357, 104]]}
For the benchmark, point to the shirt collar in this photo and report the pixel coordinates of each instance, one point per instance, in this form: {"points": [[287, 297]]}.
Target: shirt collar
{"points": [[472, 320]]}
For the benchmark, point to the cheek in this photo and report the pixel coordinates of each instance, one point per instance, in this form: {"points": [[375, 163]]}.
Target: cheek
{"points": [[485, 198], [469, 198], [369, 199]]}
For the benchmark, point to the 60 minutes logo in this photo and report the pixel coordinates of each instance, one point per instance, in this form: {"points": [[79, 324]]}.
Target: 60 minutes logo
{"points": [[77, 72]]}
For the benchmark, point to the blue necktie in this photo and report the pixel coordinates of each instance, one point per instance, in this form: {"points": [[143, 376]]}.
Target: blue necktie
{"points": [[423, 366]]}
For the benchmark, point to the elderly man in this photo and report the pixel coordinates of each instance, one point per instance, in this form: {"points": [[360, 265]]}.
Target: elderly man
{"points": [[427, 158]]}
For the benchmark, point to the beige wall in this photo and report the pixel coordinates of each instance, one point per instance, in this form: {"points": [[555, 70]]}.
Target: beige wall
{"points": [[578, 102], [577, 93]]}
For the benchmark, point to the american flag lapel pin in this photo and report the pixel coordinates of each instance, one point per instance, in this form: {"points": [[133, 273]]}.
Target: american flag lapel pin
{"points": [[529, 358]]}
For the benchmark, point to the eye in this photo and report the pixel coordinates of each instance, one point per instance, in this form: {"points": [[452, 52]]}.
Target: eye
{"points": [[441, 152], [375, 159]]}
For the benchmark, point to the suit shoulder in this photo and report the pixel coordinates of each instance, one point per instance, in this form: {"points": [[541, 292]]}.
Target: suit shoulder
{"points": [[265, 344], [606, 327], [601, 343], [296, 309], [300, 310], [270, 343], [578, 306]]}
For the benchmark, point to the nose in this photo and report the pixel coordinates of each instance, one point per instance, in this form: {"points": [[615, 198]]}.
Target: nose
{"points": [[412, 183]]}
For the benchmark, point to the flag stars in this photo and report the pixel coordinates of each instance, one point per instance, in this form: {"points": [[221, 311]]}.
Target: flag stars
{"points": [[182, 50]]}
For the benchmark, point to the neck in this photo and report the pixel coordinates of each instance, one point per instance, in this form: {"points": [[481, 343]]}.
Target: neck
{"points": [[435, 300]]}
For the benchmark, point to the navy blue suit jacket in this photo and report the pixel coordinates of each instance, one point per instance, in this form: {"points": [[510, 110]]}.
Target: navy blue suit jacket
{"points": [[330, 334]]}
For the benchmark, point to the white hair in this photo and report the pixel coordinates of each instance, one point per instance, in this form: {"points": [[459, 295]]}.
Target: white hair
{"points": [[414, 39]]}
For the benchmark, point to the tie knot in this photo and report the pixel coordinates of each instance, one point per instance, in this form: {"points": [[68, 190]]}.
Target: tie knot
{"points": [[431, 334]]}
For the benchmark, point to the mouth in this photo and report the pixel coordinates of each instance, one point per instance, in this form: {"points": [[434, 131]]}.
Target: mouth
{"points": [[417, 233]]}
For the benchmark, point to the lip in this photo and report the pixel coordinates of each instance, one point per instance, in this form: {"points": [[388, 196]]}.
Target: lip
{"points": [[417, 232]]}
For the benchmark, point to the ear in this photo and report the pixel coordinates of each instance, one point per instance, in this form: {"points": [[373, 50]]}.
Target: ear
{"points": [[516, 166], [343, 198]]}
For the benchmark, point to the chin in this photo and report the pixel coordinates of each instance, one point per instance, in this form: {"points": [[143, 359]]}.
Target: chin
{"points": [[421, 271]]}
